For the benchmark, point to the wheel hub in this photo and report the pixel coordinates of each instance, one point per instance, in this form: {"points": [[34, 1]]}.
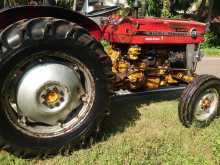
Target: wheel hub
{"points": [[47, 93], [53, 96], [206, 105]]}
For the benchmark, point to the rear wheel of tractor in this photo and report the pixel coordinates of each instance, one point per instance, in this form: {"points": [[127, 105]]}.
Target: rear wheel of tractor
{"points": [[199, 102], [55, 82]]}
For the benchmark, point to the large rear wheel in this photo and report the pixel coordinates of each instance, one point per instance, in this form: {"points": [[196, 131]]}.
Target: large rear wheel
{"points": [[55, 84]]}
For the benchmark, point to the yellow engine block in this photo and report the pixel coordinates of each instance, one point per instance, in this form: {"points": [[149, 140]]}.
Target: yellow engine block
{"points": [[134, 52], [134, 73]]}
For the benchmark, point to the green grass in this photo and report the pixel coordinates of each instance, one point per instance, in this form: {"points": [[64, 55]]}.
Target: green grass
{"points": [[211, 51], [142, 132]]}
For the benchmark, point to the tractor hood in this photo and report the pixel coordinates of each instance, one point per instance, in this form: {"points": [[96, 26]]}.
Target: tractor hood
{"points": [[153, 31]]}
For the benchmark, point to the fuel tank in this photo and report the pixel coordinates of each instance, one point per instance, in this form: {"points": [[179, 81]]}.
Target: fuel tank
{"points": [[151, 30]]}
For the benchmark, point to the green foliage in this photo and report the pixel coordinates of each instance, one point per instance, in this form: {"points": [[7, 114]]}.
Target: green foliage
{"points": [[212, 40], [211, 52], [142, 132], [153, 8], [61, 3], [166, 10], [181, 4], [216, 5], [65, 3], [15, 2]]}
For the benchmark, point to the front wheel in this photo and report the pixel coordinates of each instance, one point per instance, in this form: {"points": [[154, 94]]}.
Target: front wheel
{"points": [[199, 102], [55, 83]]}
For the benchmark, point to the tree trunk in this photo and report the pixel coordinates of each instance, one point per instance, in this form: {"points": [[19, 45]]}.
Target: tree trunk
{"points": [[214, 15], [210, 11], [201, 7]]}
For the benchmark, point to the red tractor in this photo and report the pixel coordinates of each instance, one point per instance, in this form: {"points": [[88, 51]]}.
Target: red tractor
{"points": [[57, 80]]}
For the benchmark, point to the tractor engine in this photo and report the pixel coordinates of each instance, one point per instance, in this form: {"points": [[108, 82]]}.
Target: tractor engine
{"points": [[148, 66], [149, 53]]}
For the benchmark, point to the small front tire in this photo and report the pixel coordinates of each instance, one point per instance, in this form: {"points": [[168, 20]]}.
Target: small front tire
{"points": [[199, 102]]}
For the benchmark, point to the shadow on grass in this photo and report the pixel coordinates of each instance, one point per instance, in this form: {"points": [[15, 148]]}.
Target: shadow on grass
{"points": [[124, 112]]}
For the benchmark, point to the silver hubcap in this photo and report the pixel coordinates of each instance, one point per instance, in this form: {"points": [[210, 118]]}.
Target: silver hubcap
{"points": [[50, 98], [47, 93], [206, 105]]}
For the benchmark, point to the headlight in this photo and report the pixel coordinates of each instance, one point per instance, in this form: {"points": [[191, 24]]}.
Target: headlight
{"points": [[194, 33]]}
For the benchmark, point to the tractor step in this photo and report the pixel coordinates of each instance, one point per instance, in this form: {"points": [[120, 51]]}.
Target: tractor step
{"points": [[125, 94]]}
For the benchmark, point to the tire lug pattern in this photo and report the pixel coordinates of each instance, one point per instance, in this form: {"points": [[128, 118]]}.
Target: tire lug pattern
{"points": [[36, 30], [185, 113]]}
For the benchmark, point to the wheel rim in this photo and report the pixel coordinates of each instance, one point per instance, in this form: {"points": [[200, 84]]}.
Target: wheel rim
{"points": [[51, 97], [206, 104]]}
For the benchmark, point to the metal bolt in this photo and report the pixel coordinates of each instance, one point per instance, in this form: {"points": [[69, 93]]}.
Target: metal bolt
{"points": [[45, 103], [57, 104], [85, 98], [61, 93], [76, 68], [61, 124], [62, 99], [51, 106], [55, 89], [22, 120]]}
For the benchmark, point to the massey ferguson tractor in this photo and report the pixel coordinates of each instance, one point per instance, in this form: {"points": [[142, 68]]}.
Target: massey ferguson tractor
{"points": [[56, 79]]}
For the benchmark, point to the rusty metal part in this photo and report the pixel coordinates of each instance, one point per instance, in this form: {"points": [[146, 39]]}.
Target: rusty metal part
{"points": [[152, 82], [134, 52], [184, 77], [169, 79], [206, 103], [143, 65], [136, 79], [161, 70], [122, 66], [133, 71], [113, 54]]}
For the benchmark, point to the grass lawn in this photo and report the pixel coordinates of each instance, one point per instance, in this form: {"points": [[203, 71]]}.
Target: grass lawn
{"points": [[144, 132], [211, 52]]}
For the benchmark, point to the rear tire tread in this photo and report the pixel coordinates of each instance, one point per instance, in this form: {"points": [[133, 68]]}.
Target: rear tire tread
{"points": [[47, 28]]}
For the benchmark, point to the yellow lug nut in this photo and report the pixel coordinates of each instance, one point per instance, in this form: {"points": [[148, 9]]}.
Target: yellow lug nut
{"points": [[52, 97]]}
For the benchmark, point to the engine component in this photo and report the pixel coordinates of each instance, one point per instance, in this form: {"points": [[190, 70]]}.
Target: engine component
{"points": [[184, 77], [123, 66], [152, 82], [143, 65], [177, 59], [134, 52], [136, 79], [139, 67], [113, 54], [151, 57], [170, 80]]}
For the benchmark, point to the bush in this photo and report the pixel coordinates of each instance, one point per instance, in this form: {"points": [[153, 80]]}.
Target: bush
{"points": [[165, 11], [212, 40], [65, 3]]}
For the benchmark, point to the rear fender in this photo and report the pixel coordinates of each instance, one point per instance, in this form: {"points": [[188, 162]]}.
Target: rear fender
{"points": [[12, 15]]}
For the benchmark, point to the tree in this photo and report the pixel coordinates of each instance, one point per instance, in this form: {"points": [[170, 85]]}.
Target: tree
{"points": [[176, 5], [166, 9], [201, 7]]}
